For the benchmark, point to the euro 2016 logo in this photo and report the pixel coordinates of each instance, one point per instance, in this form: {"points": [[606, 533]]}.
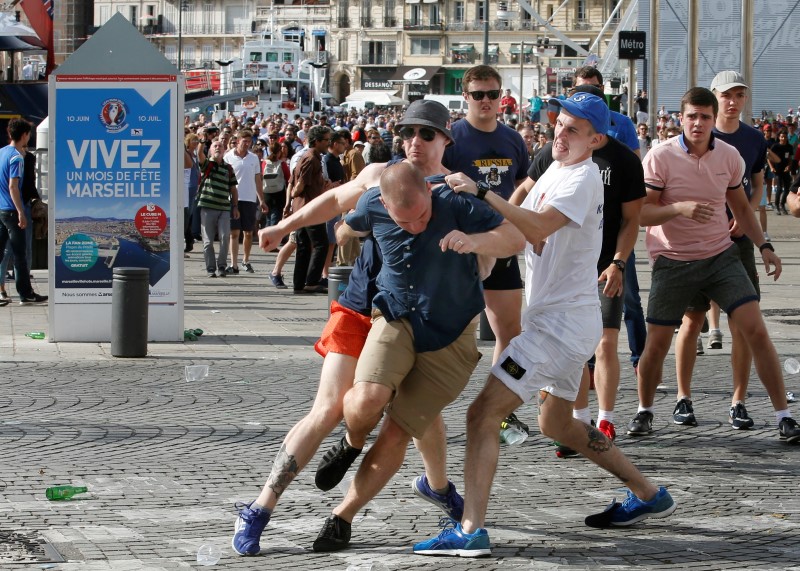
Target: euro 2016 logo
{"points": [[114, 115]]}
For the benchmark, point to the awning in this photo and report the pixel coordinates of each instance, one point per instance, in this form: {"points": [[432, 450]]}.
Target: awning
{"points": [[381, 98], [515, 49], [462, 48], [412, 1], [318, 32], [493, 49], [294, 32], [414, 74]]}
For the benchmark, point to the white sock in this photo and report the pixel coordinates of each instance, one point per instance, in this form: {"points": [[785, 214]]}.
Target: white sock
{"points": [[584, 415], [781, 414], [605, 415], [645, 409]]}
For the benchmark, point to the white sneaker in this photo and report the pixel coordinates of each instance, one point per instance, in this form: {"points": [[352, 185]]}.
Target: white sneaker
{"points": [[4, 296], [766, 237]]}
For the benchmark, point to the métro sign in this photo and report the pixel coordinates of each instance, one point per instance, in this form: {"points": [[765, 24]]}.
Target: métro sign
{"points": [[632, 45]]}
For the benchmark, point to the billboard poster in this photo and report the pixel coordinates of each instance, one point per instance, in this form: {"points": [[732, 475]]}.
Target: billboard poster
{"points": [[113, 195]]}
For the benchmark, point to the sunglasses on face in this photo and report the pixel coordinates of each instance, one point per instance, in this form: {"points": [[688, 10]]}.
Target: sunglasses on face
{"points": [[426, 133], [479, 95]]}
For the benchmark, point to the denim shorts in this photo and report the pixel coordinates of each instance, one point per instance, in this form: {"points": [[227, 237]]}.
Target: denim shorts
{"points": [[678, 285]]}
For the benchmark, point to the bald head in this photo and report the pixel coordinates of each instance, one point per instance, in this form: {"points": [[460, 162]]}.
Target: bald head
{"points": [[406, 196]]}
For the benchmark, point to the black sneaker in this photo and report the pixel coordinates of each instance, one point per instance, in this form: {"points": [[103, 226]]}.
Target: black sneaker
{"points": [[789, 431], [248, 267], [739, 418], [223, 273], [35, 298], [212, 274], [565, 451], [334, 465], [231, 270], [684, 413], [512, 420], [641, 424], [334, 535]]}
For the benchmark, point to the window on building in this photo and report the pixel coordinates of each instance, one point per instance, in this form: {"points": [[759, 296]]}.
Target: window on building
{"points": [[611, 5], [433, 13], [481, 12], [256, 56], [580, 11], [425, 46], [208, 17], [171, 53], [207, 53], [105, 14], [458, 11], [134, 15], [379, 53], [416, 14], [343, 50], [550, 10], [189, 55], [388, 14]]}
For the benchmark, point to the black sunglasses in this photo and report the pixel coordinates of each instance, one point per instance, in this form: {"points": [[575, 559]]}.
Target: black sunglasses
{"points": [[479, 95], [408, 133]]}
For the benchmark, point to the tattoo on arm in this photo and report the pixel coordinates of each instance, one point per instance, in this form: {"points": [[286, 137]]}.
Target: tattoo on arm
{"points": [[284, 470], [542, 397]]}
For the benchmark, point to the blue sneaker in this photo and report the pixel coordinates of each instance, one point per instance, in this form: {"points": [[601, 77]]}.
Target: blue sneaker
{"points": [[248, 529], [633, 510], [454, 541], [452, 504]]}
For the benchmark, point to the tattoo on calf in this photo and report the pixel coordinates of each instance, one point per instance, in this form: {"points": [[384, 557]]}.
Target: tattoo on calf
{"points": [[597, 440], [542, 397], [284, 470]]}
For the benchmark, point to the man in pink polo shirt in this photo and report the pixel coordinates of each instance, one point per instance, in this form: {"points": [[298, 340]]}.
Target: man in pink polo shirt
{"points": [[689, 180]]}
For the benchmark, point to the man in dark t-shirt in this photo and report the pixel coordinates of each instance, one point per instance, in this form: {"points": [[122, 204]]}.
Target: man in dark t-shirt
{"points": [[624, 192]]}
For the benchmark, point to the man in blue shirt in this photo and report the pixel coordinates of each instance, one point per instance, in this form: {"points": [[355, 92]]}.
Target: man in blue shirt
{"points": [[12, 213], [421, 349]]}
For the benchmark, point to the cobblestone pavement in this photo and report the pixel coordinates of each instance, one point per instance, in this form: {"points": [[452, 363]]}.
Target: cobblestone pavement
{"points": [[165, 459]]}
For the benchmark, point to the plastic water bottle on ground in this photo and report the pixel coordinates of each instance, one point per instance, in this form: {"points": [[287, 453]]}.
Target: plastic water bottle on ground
{"points": [[791, 366], [513, 435], [196, 372], [208, 554]]}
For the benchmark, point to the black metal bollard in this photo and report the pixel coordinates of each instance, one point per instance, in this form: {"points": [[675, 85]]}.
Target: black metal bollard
{"points": [[129, 307], [338, 278]]}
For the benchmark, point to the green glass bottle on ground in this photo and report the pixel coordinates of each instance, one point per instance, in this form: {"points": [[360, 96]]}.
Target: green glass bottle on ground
{"points": [[64, 492]]}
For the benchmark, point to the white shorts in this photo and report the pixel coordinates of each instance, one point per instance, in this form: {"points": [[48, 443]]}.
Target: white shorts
{"points": [[550, 353]]}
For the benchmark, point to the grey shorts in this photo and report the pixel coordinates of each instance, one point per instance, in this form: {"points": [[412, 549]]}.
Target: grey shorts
{"points": [[748, 258], [610, 308], [678, 285]]}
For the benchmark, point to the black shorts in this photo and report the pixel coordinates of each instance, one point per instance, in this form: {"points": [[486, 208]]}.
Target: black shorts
{"points": [[248, 218], [610, 308], [505, 275]]}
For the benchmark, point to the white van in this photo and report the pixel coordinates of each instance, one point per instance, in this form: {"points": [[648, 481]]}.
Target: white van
{"points": [[452, 102]]}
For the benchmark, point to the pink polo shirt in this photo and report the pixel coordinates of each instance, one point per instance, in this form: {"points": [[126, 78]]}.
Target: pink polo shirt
{"points": [[681, 176]]}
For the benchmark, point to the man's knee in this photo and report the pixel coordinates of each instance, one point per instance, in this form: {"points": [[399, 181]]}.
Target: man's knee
{"points": [[367, 399]]}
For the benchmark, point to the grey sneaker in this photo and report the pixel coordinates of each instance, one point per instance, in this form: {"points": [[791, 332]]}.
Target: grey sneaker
{"points": [[700, 350], [739, 418], [715, 339], [684, 413], [641, 424]]}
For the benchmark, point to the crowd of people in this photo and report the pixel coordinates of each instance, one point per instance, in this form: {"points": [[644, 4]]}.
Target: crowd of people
{"points": [[431, 209]]}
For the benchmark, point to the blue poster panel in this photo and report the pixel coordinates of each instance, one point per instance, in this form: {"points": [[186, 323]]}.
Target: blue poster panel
{"points": [[113, 195]]}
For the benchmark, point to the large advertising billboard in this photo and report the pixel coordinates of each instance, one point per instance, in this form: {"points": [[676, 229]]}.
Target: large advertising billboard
{"points": [[114, 156]]}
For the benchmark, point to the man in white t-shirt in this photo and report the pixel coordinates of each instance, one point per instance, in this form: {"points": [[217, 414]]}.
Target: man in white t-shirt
{"points": [[247, 168], [562, 220]]}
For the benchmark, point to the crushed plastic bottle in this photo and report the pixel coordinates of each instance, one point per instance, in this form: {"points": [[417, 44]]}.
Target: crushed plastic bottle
{"points": [[208, 554], [189, 335], [791, 366], [35, 334], [513, 435]]}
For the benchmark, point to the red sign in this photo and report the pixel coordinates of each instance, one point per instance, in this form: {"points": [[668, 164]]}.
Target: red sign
{"points": [[151, 221]]}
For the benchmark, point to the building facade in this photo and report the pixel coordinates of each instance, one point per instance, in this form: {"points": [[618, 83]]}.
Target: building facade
{"points": [[411, 47]]}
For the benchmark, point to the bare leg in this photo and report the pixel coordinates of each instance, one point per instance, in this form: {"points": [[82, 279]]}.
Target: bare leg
{"points": [[686, 351], [247, 245], [606, 369], [283, 256], [303, 440], [750, 323], [491, 406], [713, 316], [556, 422], [741, 363], [379, 465], [363, 408], [651, 365], [433, 449], [503, 310], [582, 400]]}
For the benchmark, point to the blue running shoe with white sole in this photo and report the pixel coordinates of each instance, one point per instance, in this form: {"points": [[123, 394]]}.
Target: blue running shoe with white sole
{"points": [[248, 529], [633, 510], [455, 542], [452, 504]]}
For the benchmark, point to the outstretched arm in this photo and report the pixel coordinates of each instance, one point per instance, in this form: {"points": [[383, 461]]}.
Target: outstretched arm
{"points": [[321, 209]]}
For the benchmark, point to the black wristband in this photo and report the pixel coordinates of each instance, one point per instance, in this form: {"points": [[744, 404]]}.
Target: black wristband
{"points": [[483, 188], [766, 246]]}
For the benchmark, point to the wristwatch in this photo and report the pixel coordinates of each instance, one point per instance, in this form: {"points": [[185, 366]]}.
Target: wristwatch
{"points": [[620, 264], [483, 188]]}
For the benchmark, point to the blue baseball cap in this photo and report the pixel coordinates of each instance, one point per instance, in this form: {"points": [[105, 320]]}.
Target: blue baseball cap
{"points": [[589, 107]]}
